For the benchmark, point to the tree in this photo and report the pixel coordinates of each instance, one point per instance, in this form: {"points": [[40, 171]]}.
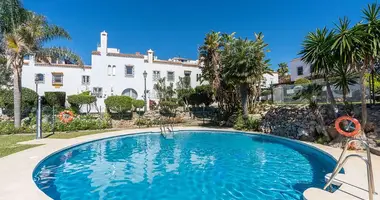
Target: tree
{"points": [[25, 33], [283, 69], [369, 45], [209, 56], [244, 63], [5, 73], [316, 51], [184, 91], [343, 76]]}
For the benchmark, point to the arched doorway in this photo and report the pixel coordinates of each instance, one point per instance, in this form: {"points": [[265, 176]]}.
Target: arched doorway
{"points": [[130, 92]]}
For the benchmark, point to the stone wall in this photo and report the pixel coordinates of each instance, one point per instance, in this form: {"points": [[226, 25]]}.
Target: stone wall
{"points": [[292, 121], [299, 122]]}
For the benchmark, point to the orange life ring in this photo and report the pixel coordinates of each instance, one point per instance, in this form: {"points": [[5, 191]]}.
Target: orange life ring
{"points": [[351, 121], [66, 116]]}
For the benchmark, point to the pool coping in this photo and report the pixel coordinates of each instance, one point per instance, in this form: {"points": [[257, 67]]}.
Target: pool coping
{"points": [[16, 170]]}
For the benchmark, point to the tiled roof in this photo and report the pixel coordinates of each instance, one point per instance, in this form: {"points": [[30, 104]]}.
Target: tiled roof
{"points": [[95, 53], [175, 63], [63, 65], [125, 55]]}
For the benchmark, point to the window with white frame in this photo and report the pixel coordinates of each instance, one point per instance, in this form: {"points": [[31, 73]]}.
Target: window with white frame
{"points": [[39, 78], [188, 75], [156, 75], [129, 71], [109, 70], [57, 78], [130, 92], [98, 92], [170, 76], [85, 80], [114, 70], [300, 71]]}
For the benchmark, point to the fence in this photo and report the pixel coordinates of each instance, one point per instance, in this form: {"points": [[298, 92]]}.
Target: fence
{"points": [[286, 93]]}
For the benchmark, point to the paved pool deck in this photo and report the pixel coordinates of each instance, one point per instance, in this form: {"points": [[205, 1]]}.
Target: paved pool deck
{"points": [[16, 170]]}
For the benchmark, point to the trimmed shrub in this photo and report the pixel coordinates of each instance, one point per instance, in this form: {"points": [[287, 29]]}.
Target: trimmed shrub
{"points": [[78, 100], [118, 104], [56, 99], [302, 81], [138, 103]]}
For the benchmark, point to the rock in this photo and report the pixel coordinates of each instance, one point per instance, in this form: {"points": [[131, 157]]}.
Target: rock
{"points": [[369, 127], [306, 138], [332, 132]]}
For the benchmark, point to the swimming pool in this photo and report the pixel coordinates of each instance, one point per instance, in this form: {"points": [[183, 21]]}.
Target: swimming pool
{"points": [[193, 165]]}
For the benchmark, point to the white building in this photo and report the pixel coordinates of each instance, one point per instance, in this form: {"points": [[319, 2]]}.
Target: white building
{"points": [[299, 69], [114, 73], [269, 79], [111, 73]]}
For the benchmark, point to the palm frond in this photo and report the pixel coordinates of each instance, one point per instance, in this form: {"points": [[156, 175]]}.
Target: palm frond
{"points": [[59, 53]]}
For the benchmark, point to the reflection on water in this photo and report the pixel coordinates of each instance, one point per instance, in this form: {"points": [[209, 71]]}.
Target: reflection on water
{"points": [[192, 166]]}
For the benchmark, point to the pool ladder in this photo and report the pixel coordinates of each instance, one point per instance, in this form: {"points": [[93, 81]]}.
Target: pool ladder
{"points": [[342, 161], [167, 130]]}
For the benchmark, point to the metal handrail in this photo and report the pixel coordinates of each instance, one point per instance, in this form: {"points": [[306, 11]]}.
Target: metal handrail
{"points": [[368, 161]]}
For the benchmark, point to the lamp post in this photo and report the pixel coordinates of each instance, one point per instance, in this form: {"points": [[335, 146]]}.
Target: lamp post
{"points": [[145, 75], [37, 80]]}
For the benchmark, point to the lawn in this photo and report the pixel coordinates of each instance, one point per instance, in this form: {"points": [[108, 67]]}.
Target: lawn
{"points": [[8, 143]]}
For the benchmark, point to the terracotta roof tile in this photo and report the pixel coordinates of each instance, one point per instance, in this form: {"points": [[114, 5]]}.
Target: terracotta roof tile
{"points": [[175, 63], [96, 53], [63, 65], [125, 55]]}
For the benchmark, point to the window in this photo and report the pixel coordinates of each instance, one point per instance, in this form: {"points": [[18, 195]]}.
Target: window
{"points": [[109, 70], [129, 70], [39, 78], [199, 76], [187, 75], [130, 92], [114, 70], [171, 76], [85, 80], [57, 78], [98, 92], [156, 75], [300, 71]]}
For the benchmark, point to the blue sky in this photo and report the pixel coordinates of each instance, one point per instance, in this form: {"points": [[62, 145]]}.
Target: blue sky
{"points": [[172, 28]]}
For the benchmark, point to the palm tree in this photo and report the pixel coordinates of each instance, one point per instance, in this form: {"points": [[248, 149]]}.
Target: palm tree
{"points": [[26, 35], [209, 56], [342, 77], [244, 63], [283, 69], [369, 48], [316, 51]]}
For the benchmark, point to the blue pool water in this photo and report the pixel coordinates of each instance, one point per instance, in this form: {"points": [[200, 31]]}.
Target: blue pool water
{"points": [[193, 165]]}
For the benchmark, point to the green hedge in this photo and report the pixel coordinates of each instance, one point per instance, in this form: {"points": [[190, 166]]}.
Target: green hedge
{"points": [[28, 101], [118, 104], [56, 99], [302, 81]]}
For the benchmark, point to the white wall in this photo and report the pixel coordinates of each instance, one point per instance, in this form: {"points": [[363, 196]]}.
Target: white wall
{"points": [[269, 79], [72, 78], [98, 72], [293, 69]]}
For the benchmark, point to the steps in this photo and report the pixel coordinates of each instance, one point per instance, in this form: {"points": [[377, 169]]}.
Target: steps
{"points": [[350, 189]]}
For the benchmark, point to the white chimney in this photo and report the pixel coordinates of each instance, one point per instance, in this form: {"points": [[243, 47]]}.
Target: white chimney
{"points": [[150, 56], [103, 42]]}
